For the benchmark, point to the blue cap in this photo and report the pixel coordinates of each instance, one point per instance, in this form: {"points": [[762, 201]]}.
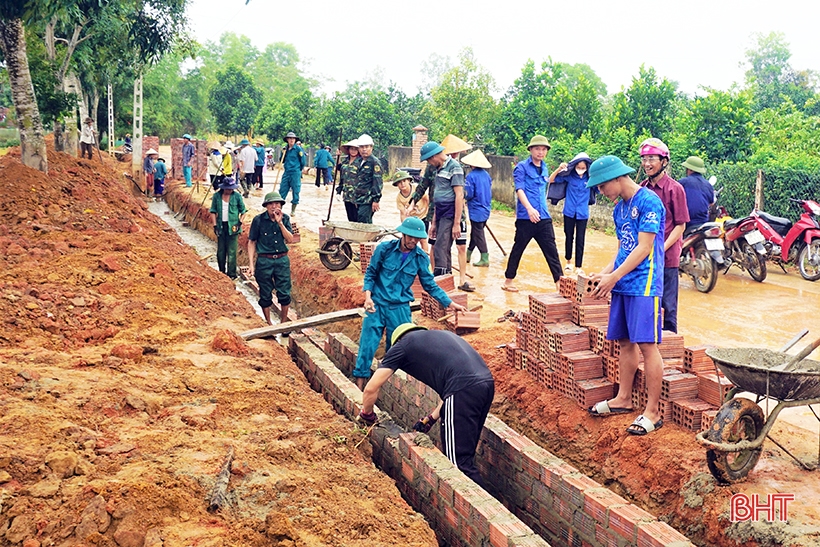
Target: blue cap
{"points": [[605, 169], [412, 227], [430, 149], [187, 136], [244, 141]]}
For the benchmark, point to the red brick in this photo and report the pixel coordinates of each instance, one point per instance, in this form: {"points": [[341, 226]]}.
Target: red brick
{"points": [[407, 471], [573, 487], [504, 528], [597, 502], [624, 519], [659, 534]]}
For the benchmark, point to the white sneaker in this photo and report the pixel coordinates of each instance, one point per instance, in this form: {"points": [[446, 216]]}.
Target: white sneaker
{"points": [[568, 268], [579, 271]]}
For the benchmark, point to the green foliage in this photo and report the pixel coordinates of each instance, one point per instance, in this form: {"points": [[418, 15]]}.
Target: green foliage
{"points": [[52, 103], [722, 125], [502, 207], [9, 137], [234, 101], [646, 108], [278, 117], [772, 79], [178, 102]]}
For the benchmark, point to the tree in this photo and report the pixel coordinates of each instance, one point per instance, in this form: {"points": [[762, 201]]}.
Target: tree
{"points": [[722, 125], [462, 102], [646, 108], [234, 101], [771, 77], [13, 45]]}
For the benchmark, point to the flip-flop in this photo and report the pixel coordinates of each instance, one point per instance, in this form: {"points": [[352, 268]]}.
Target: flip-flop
{"points": [[509, 289], [641, 426], [466, 287], [602, 409]]}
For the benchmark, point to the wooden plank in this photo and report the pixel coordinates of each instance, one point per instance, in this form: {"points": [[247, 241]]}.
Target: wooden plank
{"points": [[313, 321]]}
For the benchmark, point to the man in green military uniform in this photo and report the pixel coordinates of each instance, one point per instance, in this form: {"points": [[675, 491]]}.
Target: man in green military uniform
{"points": [[293, 161], [268, 255], [368, 186]]}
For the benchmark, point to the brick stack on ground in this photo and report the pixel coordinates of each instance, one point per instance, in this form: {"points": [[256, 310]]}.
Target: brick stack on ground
{"points": [[200, 164], [461, 322], [562, 343]]}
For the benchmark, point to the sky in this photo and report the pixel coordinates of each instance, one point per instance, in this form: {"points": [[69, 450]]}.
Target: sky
{"points": [[697, 43]]}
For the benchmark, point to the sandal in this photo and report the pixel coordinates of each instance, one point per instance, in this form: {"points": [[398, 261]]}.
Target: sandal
{"points": [[641, 426], [509, 288], [602, 409], [466, 287]]}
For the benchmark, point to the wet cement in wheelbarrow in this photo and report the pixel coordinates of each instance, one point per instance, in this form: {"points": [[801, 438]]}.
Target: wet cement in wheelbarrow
{"points": [[765, 359]]}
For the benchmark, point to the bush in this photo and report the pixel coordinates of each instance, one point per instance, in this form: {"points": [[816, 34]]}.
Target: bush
{"points": [[9, 137]]}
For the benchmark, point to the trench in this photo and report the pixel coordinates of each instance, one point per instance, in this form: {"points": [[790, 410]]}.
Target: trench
{"points": [[533, 497]]}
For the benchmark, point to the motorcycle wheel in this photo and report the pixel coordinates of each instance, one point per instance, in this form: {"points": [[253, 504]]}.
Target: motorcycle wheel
{"points": [[755, 262], [707, 281], [808, 261], [337, 254], [737, 420]]}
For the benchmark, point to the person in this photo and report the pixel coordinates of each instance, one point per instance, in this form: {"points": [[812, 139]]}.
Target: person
{"points": [[331, 164], [188, 152], [127, 142], [448, 200], [479, 195], [322, 162], [453, 147], [347, 168], [293, 161], [259, 164], [367, 191], [227, 160], [247, 163], [148, 168], [160, 172], [404, 182], [268, 255], [654, 159], [215, 165], [227, 214], [635, 281], [388, 291], [572, 178], [532, 221], [454, 370], [700, 195], [88, 139]]}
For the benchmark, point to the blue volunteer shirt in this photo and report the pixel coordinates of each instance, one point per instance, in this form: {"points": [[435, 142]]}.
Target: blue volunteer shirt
{"points": [[576, 202], [699, 196], [644, 212], [533, 180], [478, 193], [391, 273]]}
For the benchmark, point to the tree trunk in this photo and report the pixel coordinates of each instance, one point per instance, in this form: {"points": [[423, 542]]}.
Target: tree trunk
{"points": [[32, 142], [71, 84]]}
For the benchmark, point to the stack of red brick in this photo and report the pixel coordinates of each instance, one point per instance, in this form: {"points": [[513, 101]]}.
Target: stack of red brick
{"points": [[200, 164], [562, 343], [461, 322], [366, 253], [297, 237]]}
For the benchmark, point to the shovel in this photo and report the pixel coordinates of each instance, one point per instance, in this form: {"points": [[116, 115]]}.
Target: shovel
{"points": [[791, 363]]}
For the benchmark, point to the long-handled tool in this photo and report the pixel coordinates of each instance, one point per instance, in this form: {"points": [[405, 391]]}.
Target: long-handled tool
{"points": [[495, 239], [333, 186], [791, 363]]}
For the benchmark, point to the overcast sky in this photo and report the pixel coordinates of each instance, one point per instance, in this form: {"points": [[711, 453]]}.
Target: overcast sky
{"points": [[693, 42]]}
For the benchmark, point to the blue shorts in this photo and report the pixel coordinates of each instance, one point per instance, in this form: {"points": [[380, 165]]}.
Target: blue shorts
{"points": [[637, 318]]}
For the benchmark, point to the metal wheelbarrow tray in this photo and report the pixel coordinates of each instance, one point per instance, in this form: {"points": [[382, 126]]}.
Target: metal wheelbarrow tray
{"points": [[337, 252], [735, 439]]}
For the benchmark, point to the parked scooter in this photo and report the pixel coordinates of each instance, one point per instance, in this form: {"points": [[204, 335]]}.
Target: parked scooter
{"points": [[743, 242], [701, 255], [788, 242]]}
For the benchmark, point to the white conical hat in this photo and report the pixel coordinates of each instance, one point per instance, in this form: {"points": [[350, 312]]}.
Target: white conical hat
{"points": [[477, 159], [151, 151]]}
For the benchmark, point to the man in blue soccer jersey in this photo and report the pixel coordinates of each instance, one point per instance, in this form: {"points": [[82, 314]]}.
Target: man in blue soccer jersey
{"points": [[635, 279]]}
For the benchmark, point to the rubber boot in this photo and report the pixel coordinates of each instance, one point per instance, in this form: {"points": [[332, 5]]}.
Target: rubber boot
{"points": [[469, 254], [484, 261], [292, 209]]}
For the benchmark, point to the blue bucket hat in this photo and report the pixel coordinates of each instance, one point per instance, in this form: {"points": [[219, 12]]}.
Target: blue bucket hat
{"points": [[244, 141], [187, 136], [412, 227], [605, 169], [430, 149], [229, 183]]}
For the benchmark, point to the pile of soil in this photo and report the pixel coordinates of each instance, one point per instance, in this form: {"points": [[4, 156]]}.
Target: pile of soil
{"points": [[123, 385]]}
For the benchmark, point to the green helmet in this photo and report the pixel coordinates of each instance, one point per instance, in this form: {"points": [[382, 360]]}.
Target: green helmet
{"points": [[403, 329]]}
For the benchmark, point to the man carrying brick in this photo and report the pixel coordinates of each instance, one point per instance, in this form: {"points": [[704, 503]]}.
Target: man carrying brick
{"points": [[635, 279], [459, 375], [388, 291]]}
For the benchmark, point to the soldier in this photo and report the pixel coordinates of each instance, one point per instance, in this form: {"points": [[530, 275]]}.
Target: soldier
{"points": [[293, 161], [368, 188], [347, 168], [268, 255]]}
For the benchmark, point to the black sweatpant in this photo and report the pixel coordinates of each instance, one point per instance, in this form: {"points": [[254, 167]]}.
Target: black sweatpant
{"points": [[352, 211], [543, 234], [575, 227], [462, 419], [477, 237]]}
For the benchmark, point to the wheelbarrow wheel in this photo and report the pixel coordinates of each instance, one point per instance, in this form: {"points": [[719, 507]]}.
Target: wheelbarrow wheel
{"points": [[336, 254], [737, 420]]}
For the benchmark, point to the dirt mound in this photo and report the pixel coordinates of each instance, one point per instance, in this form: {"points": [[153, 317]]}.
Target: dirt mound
{"points": [[123, 385]]}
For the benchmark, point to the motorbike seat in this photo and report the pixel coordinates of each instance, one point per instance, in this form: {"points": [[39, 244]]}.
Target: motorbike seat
{"points": [[731, 223], [779, 224]]}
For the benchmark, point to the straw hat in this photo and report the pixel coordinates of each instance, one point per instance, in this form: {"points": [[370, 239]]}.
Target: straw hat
{"points": [[214, 145], [345, 148], [453, 144], [151, 151], [476, 159]]}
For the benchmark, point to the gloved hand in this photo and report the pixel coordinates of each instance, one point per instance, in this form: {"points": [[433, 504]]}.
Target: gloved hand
{"points": [[425, 424], [339, 189], [216, 231], [367, 420]]}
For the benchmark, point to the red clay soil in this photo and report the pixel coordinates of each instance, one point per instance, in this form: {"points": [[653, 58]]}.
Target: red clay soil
{"points": [[123, 385]]}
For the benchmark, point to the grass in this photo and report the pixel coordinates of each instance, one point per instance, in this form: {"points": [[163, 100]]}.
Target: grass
{"points": [[501, 207]]}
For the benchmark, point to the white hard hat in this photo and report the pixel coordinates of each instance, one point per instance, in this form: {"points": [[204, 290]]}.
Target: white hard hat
{"points": [[365, 140]]}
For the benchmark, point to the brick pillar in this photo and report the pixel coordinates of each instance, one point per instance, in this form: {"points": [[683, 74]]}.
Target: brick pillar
{"points": [[419, 138]]}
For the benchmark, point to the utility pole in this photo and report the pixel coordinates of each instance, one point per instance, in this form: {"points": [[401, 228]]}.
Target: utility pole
{"points": [[110, 120], [136, 143]]}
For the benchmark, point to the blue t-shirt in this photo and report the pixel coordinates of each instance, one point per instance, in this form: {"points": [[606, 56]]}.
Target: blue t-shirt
{"points": [[644, 212], [699, 196]]}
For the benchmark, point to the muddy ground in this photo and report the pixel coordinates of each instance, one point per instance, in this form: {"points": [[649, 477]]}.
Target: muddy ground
{"points": [[123, 385]]}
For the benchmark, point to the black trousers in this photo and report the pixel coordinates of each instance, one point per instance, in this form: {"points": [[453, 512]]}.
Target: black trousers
{"points": [[578, 228], [257, 171], [477, 236], [462, 419], [543, 234], [352, 211], [321, 173]]}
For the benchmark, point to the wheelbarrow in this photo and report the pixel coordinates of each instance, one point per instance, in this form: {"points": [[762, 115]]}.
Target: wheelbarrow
{"points": [[734, 441], [337, 252]]}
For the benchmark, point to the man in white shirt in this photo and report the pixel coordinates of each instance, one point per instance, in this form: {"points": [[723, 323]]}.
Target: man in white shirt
{"points": [[247, 164], [87, 139]]}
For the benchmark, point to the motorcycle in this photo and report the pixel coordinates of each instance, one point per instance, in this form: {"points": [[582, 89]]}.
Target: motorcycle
{"points": [[742, 241], [701, 255], [788, 242]]}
